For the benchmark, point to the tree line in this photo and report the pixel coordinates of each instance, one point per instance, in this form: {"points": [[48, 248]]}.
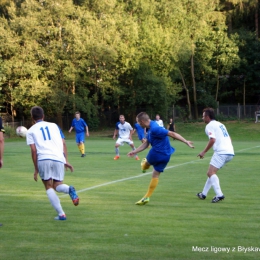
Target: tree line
{"points": [[96, 56]]}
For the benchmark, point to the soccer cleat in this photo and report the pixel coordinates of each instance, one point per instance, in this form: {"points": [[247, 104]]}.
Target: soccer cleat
{"points": [[142, 201], [73, 196], [137, 158], [116, 157], [201, 196], [144, 165], [62, 217], [83, 155], [217, 199]]}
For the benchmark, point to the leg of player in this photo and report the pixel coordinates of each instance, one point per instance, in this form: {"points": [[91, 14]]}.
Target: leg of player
{"points": [[79, 147], [153, 184], [54, 199], [82, 145], [64, 188], [117, 152], [212, 181]]}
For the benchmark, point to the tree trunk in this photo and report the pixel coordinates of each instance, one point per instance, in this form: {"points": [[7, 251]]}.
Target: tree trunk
{"points": [[187, 95], [194, 86], [59, 120], [244, 96], [256, 20], [217, 88]]}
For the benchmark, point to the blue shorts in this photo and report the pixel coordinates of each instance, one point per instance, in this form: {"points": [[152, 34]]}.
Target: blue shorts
{"points": [[80, 137], [158, 160]]}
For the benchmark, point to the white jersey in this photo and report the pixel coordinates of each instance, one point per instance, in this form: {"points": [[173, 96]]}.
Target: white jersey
{"points": [[218, 131], [48, 141], [124, 130], [159, 122]]}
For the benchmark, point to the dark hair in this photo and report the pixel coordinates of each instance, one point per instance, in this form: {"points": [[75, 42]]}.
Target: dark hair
{"points": [[142, 116], [37, 113], [209, 112]]}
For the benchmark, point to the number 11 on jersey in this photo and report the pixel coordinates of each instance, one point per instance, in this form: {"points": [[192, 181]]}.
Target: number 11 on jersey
{"points": [[43, 133]]}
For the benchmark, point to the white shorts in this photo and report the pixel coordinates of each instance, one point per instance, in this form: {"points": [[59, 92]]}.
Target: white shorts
{"points": [[121, 141], [49, 169], [219, 160]]}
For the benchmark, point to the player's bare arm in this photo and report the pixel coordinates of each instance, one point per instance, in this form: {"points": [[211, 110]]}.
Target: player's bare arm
{"points": [[142, 147], [180, 138], [209, 145], [34, 159], [115, 134], [130, 136], [69, 166]]}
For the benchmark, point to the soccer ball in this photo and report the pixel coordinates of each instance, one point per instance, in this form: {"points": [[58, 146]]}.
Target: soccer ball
{"points": [[21, 131]]}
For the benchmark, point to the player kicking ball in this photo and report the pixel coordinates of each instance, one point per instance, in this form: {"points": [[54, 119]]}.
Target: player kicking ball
{"points": [[160, 153]]}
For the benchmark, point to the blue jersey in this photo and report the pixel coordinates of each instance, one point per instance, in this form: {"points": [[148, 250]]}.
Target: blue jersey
{"points": [[157, 136], [140, 131], [79, 125]]}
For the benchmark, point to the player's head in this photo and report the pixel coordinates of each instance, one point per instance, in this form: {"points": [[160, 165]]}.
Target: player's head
{"points": [[77, 115], [157, 117], [208, 114], [143, 119], [37, 113], [122, 119]]}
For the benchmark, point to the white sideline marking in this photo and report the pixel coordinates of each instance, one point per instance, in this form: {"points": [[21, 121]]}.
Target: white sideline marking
{"points": [[144, 174]]}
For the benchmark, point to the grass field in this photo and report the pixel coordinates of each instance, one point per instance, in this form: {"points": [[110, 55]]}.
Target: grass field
{"points": [[107, 224]]}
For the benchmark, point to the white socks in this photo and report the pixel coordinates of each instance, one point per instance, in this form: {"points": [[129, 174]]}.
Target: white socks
{"points": [[55, 201], [63, 188], [206, 187], [214, 182]]}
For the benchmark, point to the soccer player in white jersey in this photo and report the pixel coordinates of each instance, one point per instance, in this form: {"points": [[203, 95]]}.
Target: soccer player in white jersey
{"points": [[124, 132], [220, 140], [158, 120], [49, 156]]}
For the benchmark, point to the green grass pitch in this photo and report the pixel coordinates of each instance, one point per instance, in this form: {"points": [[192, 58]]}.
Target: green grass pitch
{"points": [[107, 224]]}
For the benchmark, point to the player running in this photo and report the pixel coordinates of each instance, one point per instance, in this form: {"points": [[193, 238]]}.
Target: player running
{"points": [[49, 156]]}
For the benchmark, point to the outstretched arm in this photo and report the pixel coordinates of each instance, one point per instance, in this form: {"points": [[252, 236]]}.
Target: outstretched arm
{"points": [[180, 138], [142, 147]]}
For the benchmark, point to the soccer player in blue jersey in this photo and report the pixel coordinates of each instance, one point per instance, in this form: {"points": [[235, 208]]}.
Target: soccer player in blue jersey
{"points": [[141, 132], [160, 153], [81, 129], [49, 156]]}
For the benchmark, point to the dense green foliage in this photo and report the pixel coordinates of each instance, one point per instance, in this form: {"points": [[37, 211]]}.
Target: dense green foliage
{"points": [[116, 55]]}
